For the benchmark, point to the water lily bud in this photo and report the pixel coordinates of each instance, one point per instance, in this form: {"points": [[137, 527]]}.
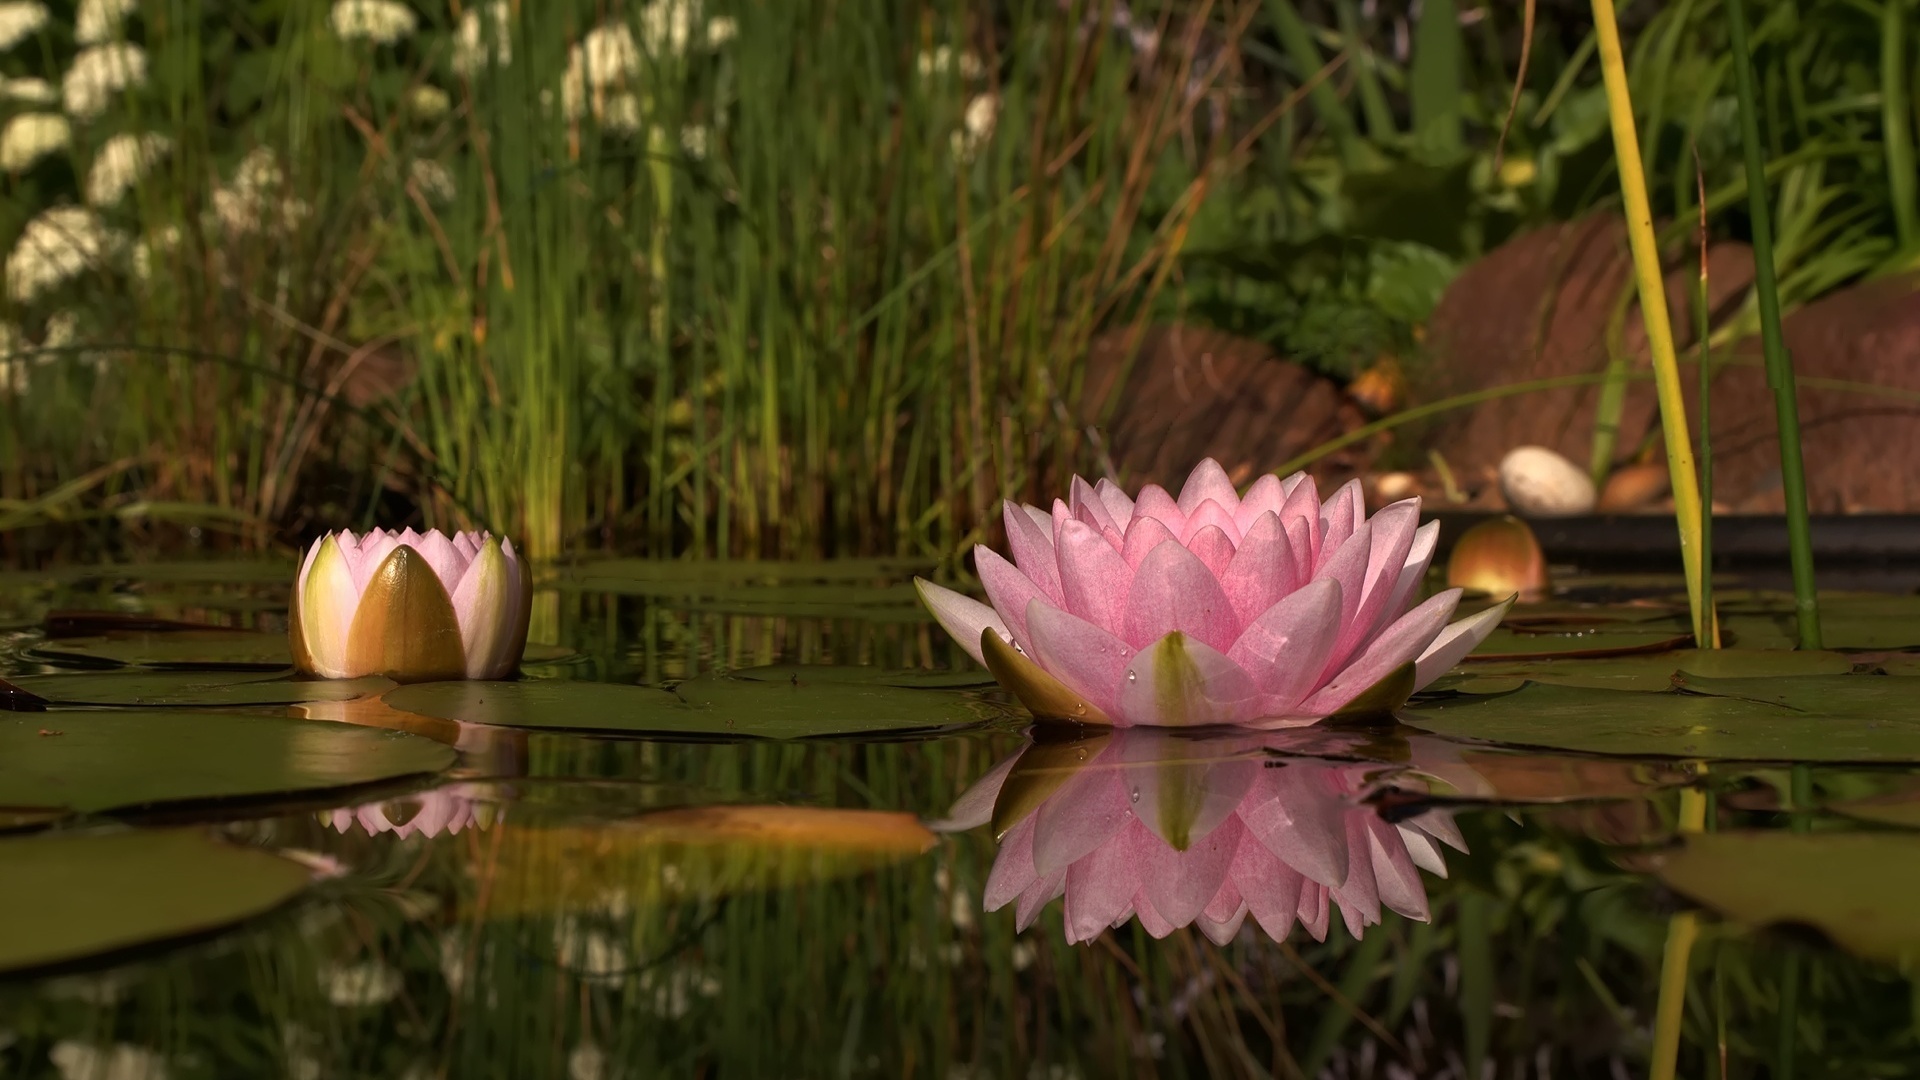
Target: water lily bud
{"points": [[410, 606], [1501, 557], [1540, 483]]}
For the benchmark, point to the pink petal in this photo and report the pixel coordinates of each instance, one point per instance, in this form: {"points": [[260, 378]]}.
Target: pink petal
{"points": [[1101, 886], [441, 554], [1090, 508], [1262, 569], [1314, 910], [1214, 514], [1455, 642], [374, 549], [1286, 648], [1033, 551], [1394, 874], [1039, 517], [974, 807], [1402, 642], [1154, 502], [1422, 849], [1270, 888], [1214, 549], [1012, 869], [1177, 797], [1174, 590], [1089, 660], [1179, 884], [1360, 891], [1037, 896], [1419, 557], [1440, 825], [1303, 540], [469, 543], [1222, 931], [1266, 496], [1090, 809], [1340, 517], [1348, 566], [1156, 925], [1392, 532], [962, 617], [1179, 681], [1095, 579], [1142, 537], [1119, 504], [1301, 821], [1009, 590], [1208, 481]]}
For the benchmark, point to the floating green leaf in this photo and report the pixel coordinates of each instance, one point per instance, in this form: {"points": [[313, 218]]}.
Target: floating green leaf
{"points": [[1607, 639], [67, 896], [196, 688], [708, 706], [85, 762], [230, 649], [854, 675], [1856, 888], [1650, 671], [1817, 718]]}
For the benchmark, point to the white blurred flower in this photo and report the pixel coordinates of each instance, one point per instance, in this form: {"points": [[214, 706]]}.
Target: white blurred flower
{"points": [[63, 329], [976, 126], [672, 990], [31, 91], [84, 1061], [592, 956], [382, 22], [98, 73], [667, 25], [428, 102], [437, 184], [352, 986], [720, 30], [587, 1062], [55, 246], [693, 139], [28, 137], [453, 960], [944, 58], [602, 62], [121, 162], [99, 20], [20, 21], [244, 205], [622, 113], [470, 42]]}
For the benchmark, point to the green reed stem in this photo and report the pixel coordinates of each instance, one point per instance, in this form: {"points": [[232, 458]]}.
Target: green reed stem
{"points": [[1793, 477], [1703, 334]]}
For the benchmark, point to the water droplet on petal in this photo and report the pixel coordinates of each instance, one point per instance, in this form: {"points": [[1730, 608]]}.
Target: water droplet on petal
{"points": [[1134, 795], [1132, 675]]}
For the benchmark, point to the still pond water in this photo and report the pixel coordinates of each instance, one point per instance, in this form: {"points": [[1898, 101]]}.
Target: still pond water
{"points": [[764, 821]]}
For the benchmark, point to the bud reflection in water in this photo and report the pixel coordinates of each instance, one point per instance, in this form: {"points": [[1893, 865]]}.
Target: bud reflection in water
{"points": [[446, 810], [1177, 830]]}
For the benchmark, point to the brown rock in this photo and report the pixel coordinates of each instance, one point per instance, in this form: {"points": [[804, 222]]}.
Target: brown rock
{"points": [[1195, 392], [1860, 443], [1632, 487], [1541, 307]]}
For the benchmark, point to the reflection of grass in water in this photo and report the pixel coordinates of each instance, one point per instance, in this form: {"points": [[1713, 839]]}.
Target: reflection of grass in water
{"points": [[896, 972]]}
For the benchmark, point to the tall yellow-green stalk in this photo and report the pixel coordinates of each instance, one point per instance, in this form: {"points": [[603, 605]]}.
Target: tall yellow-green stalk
{"points": [[1653, 310]]}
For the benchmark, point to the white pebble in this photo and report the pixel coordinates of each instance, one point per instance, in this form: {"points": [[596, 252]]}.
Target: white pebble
{"points": [[1540, 483]]}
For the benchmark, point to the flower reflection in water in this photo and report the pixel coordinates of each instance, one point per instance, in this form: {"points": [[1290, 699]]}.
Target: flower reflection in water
{"points": [[422, 813], [1179, 830]]}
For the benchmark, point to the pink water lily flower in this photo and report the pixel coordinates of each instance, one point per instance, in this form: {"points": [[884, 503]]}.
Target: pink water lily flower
{"points": [[423, 813], [410, 606], [1272, 610], [1174, 831]]}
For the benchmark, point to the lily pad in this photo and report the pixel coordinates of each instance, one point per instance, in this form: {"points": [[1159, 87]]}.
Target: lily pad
{"points": [[1818, 718], [706, 706], [856, 675], [1652, 672], [196, 688], [1609, 639], [67, 896], [1856, 888], [206, 649], [89, 762]]}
